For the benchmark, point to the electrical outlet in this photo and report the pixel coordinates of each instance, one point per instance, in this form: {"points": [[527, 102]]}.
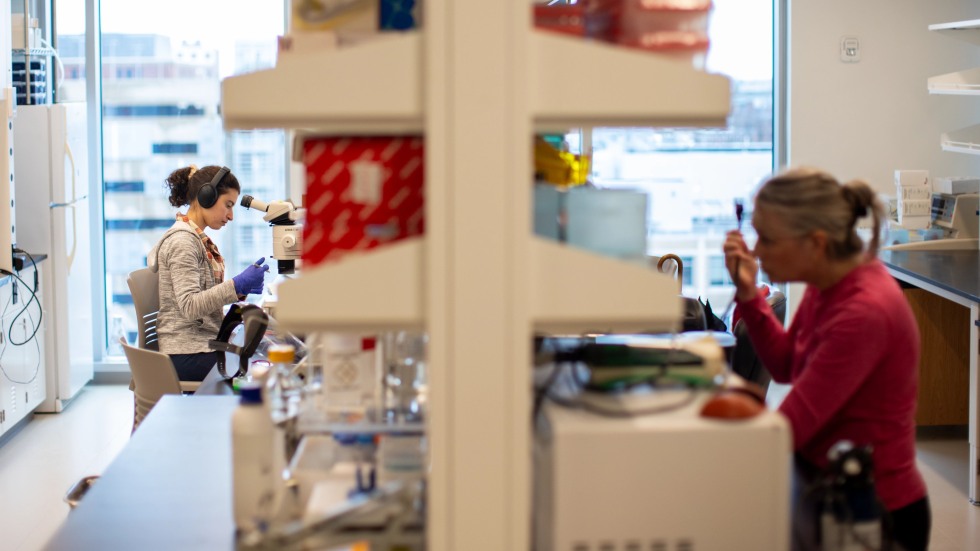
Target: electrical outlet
{"points": [[850, 49]]}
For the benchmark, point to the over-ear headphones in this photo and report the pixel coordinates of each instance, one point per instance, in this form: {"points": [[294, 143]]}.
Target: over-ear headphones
{"points": [[207, 196]]}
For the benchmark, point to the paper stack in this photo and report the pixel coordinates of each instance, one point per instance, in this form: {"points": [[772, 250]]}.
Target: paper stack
{"points": [[914, 199]]}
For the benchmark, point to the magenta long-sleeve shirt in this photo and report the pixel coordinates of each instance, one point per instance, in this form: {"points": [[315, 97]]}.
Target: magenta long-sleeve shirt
{"points": [[851, 355]]}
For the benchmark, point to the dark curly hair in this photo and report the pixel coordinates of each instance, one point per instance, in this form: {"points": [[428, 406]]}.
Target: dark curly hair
{"points": [[184, 185]]}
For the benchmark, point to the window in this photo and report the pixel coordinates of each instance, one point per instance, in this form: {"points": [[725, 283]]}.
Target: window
{"points": [[162, 66], [692, 176], [174, 148]]}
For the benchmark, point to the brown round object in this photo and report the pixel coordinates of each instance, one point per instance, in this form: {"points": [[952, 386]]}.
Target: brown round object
{"points": [[732, 404]]}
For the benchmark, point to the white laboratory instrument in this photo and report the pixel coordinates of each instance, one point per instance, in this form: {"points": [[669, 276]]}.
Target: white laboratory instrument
{"points": [[287, 232], [53, 211], [958, 214], [666, 479]]}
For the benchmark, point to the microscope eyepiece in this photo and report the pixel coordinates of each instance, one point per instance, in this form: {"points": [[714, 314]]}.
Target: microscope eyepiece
{"points": [[250, 202]]}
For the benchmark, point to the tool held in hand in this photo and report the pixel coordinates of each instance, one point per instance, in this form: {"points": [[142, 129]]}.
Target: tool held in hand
{"points": [[739, 210]]}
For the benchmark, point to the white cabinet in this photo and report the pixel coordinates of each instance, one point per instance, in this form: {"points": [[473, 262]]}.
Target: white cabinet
{"points": [[966, 82], [22, 376], [478, 81]]}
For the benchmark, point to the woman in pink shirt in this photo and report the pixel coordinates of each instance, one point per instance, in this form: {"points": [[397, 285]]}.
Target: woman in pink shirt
{"points": [[851, 352]]}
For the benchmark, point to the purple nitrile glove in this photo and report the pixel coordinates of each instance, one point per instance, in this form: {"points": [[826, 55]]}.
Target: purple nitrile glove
{"points": [[252, 278]]}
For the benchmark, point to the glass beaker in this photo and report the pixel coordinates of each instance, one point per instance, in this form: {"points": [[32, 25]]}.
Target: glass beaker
{"points": [[403, 381]]}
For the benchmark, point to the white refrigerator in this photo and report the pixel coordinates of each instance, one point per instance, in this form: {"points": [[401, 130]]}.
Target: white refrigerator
{"points": [[52, 214]]}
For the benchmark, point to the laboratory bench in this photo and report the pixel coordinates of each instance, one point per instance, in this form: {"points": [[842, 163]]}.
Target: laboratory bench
{"points": [[169, 488], [943, 289]]}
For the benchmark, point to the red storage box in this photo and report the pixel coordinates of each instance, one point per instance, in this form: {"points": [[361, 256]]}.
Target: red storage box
{"points": [[678, 27], [589, 18], [361, 192]]}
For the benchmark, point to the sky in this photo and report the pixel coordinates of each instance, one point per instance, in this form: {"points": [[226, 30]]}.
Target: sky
{"points": [[741, 39], [741, 45]]}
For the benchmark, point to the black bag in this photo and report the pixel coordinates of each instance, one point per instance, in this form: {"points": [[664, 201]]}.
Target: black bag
{"points": [[699, 317]]}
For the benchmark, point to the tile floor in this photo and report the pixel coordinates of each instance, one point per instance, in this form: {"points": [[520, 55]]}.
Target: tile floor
{"points": [[52, 452]]}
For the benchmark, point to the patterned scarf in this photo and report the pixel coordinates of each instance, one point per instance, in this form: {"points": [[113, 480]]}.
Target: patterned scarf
{"points": [[214, 257]]}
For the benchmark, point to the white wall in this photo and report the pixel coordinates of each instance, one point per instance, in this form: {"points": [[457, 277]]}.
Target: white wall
{"points": [[865, 120]]}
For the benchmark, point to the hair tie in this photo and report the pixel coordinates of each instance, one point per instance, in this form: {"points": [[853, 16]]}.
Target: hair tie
{"points": [[860, 211], [190, 174]]}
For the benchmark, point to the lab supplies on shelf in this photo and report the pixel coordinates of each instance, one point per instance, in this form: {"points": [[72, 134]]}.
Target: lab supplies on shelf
{"points": [[677, 28], [364, 15], [598, 19], [430, 82], [347, 387], [363, 192], [913, 192]]}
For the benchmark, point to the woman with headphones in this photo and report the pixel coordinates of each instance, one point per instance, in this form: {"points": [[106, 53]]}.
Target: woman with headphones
{"points": [[191, 271]]}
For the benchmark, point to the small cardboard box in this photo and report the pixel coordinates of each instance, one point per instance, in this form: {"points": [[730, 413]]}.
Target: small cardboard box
{"points": [[907, 178]]}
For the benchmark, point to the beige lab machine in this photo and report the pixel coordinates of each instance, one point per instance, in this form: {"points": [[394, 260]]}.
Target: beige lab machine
{"points": [[646, 470]]}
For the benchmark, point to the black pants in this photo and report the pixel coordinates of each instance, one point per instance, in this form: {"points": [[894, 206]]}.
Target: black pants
{"points": [[910, 526], [193, 367]]}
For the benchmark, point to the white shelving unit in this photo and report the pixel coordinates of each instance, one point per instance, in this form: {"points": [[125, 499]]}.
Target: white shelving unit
{"points": [[961, 30], [959, 83], [966, 82], [966, 140], [477, 82]]}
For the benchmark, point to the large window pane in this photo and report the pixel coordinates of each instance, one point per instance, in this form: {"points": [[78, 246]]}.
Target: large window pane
{"points": [[693, 175], [162, 65]]}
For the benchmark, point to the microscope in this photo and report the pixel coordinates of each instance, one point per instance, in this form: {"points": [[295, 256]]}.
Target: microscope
{"points": [[287, 233]]}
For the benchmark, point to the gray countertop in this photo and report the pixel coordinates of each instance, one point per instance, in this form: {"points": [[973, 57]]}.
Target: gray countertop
{"points": [[28, 261], [169, 488], [957, 272]]}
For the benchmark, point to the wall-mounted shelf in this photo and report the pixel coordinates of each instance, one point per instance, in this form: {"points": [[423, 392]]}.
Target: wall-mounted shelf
{"points": [[966, 82], [965, 140], [961, 30], [332, 93], [958, 83]]}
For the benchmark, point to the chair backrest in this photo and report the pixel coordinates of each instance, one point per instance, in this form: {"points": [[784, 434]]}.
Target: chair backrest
{"points": [[745, 362], [672, 265], [153, 376], [144, 285], [777, 301]]}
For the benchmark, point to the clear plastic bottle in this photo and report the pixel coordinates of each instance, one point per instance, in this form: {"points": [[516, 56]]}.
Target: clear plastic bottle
{"points": [[260, 376], [255, 478], [283, 387]]}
